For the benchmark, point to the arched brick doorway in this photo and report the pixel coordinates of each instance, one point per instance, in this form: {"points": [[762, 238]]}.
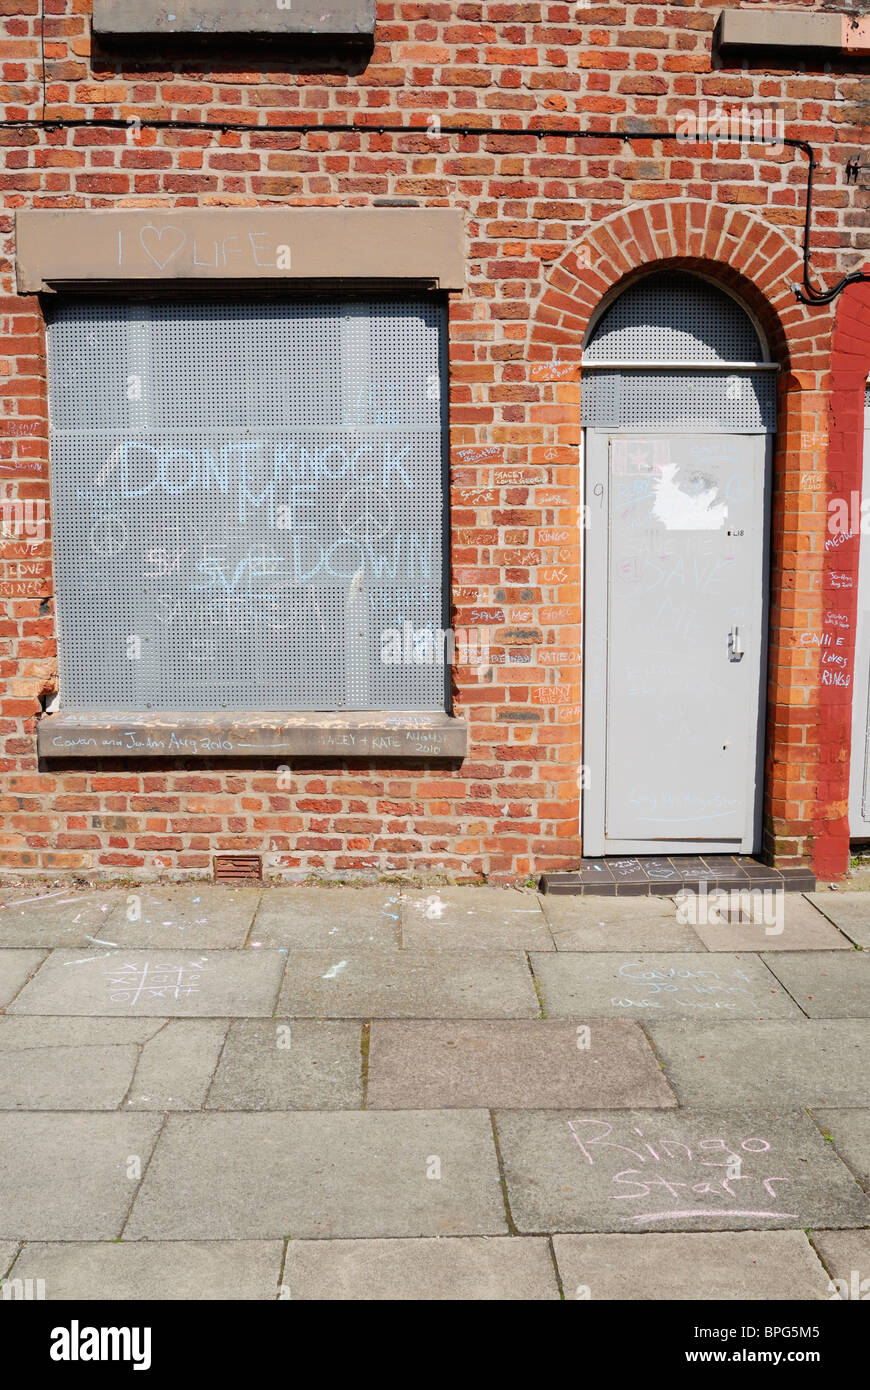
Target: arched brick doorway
{"points": [[759, 264]]}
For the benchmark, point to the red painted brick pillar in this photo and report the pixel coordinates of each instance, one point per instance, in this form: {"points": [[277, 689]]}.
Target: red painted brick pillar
{"points": [[850, 365]]}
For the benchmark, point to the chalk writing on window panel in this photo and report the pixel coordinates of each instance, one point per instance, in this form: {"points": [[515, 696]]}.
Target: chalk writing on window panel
{"points": [[247, 497]]}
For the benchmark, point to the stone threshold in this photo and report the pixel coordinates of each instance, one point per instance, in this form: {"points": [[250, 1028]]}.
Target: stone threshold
{"points": [[209, 734], [666, 875]]}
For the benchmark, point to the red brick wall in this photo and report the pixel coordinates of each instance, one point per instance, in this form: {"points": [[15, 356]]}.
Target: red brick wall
{"points": [[531, 205]]}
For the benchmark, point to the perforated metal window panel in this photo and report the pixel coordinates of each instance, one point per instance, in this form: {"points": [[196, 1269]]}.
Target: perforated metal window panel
{"points": [[673, 317], [245, 495], [681, 401]]}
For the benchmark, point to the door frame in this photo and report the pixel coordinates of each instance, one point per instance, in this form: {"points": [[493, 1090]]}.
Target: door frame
{"points": [[595, 622]]}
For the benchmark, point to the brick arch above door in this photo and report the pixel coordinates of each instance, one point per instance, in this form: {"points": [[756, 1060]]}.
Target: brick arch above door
{"points": [[742, 252]]}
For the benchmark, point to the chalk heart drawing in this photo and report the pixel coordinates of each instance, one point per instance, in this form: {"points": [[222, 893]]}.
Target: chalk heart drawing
{"points": [[162, 244]]}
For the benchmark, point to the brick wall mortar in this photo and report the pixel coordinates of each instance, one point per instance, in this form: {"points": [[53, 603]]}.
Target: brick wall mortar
{"points": [[531, 205]]}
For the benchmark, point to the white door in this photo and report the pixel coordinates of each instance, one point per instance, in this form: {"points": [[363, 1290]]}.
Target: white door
{"points": [[675, 642]]}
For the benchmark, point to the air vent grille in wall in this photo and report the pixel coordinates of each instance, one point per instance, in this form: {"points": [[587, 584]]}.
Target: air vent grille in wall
{"points": [[229, 868]]}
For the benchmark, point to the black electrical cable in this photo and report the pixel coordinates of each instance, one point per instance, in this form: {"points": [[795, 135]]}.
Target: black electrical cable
{"points": [[807, 293]]}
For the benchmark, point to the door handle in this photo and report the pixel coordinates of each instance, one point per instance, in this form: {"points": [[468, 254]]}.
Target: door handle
{"points": [[735, 650]]}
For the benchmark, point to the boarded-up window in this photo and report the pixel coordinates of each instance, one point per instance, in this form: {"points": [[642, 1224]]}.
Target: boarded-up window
{"points": [[248, 499]]}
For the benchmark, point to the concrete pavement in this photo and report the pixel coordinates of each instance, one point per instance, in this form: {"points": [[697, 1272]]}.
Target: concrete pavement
{"points": [[378, 1092]]}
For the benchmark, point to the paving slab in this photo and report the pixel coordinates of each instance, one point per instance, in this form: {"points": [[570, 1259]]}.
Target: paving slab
{"points": [[69, 1063], [350, 1173], [64, 918], [38, 890], [474, 919], [696, 1264], [803, 927], [618, 924], [478, 1268], [513, 1065], [175, 1068], [847, 1258], [586, 985], [66, 1078], [193, 916], [850, 912], [676, 1170], [816, 1062], [212, 984], [850, 1132], [178, 1269], [16, 967], [826, 984], [22, 1031], [8, 1250], [284, 1064], [65, 1177], [407, 984], [329, 919]]}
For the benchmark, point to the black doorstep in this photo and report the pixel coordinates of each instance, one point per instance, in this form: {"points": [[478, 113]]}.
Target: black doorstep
{"points": [[640, 877]]}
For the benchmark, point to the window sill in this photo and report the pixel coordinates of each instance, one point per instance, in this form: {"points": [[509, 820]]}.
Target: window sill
{"points": [[250, 734]]}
